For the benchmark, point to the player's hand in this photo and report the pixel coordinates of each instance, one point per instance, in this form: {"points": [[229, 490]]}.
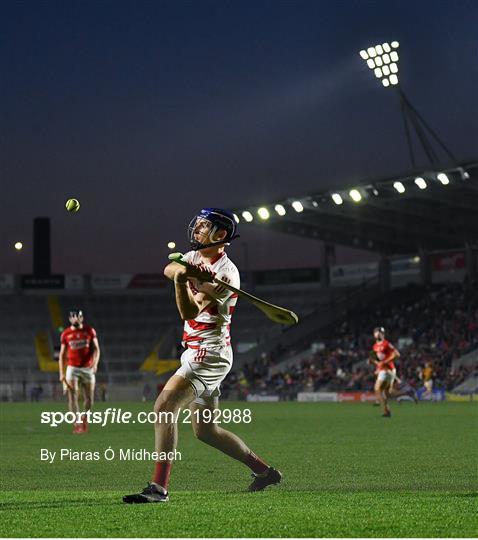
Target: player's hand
{"points": [[62, 378]]}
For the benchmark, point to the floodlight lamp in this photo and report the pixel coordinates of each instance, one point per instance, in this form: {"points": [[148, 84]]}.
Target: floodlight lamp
{"points": [[337, 198], [371, 52], [393, 79], [378, 49], [364, 55], [394, 56], [395, 44], [263, 213], [386, 47], [171, 245], [297, 206], [236, 218], [386, 58], [280, 209], [443, 178], [393, 68], [355, 195], [18, 246], [378, 61], [420, 182], [370, 63], [385, 82], [378, 73], [398, 186], [386, 70], [247, 216]]}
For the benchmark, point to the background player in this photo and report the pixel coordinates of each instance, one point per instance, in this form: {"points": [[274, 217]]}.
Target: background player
{"points": [[382, 355], [427, 377], [80, 353], [206, 310]]}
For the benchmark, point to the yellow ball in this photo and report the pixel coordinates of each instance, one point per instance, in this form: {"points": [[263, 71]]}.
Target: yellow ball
{"points": [[72, 205]]}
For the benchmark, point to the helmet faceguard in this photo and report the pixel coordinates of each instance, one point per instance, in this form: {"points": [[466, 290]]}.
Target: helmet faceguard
{"points": [[77, 316], [207, 223], [379, 329]]}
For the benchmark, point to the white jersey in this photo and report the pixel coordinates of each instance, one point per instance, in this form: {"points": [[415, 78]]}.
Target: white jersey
{"points": [[211, 327]]}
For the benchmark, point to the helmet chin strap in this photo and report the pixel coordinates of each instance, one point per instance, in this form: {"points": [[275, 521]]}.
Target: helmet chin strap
{"points": [[196, 245]]}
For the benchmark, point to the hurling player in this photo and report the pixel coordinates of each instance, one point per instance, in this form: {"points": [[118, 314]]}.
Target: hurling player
{"points": [[382, 355], [80, 353], [206, 310]]}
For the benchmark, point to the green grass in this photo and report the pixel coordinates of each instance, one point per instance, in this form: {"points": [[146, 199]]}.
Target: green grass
{"points": [[347, 472]]}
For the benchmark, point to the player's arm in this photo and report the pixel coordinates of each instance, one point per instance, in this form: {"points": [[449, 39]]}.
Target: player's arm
{"points": [[95, 354], [189, 305], [391, 356], [62, 362], [171, 270]]}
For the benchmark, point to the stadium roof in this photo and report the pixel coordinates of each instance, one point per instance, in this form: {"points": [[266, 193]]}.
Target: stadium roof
{"points": [[430, 210]]}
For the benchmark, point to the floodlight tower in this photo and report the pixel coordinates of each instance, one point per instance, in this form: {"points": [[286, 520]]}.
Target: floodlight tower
{"points": [[383, 60]]}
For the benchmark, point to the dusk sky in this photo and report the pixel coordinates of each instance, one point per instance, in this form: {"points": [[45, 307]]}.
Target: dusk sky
{"points": [[148, 111]]}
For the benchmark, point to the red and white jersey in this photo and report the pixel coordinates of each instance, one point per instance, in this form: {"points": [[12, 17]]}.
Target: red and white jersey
{"points": [[211, 327], [384, 349], [78, 345]]}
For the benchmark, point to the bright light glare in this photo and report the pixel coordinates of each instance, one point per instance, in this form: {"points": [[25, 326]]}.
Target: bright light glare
{"points": [[378, 49], [393, 79], [18, 246], [395, 44], [263, 213], [386, 58], [364, 55], [420, 182], [370, 63], [386, 70], [337, 198], [378, 61], [247, 216], [171, 245], [355, 195], [371, 51], [443, 178], [393, 68], [385, 82], [378, 73], [386, 47], [399, 187], [236, 218], [280, 209], [394, 56], [297, 206]]}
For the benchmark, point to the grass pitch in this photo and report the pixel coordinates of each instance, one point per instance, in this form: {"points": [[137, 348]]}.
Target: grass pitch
{"points": [[347, 472]]}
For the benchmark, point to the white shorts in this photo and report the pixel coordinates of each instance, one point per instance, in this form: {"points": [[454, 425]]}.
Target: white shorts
{"points": [[205, 369], [428, 385], [386, 376], [84, 374]]}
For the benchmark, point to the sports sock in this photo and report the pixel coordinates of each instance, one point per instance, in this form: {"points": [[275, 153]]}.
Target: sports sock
{"points": [[256, 464], [162, 470]]}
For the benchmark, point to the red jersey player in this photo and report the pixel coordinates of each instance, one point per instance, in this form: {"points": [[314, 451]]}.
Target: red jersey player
{"points": [[384, 353], [80, 353], [206, 310]]}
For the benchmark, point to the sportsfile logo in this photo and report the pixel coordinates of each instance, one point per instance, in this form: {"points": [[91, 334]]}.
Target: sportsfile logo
{"points": [[118, 416]]}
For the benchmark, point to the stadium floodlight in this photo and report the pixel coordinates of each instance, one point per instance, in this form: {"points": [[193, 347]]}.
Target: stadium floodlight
{"points": [[420, 182], [279, 209], [298, 206], [398, 186], [380, 60], [355, 195], [247, 216], [395, 44], [443, 178], [171, 245], [263, 213], [337, 198], [236, 218], [18, 246]]}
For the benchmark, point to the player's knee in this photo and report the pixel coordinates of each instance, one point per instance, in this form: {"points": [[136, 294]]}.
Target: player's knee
{"points": [[204, 432]]}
